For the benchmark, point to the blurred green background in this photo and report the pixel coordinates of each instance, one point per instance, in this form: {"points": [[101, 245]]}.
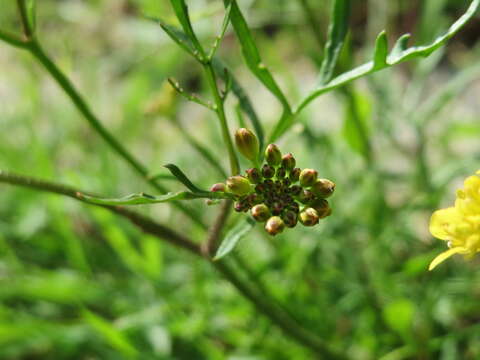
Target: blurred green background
{"points": [[78, 283]]}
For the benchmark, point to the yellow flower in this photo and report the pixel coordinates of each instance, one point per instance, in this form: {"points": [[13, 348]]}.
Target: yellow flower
{"points": [[459, 225]]}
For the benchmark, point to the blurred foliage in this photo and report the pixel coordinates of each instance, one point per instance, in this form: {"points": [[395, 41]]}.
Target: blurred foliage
{"points": [[78, 283]]}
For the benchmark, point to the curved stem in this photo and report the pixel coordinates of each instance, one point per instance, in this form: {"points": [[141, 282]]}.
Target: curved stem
{"points": [[143, 222], [220, 110]]}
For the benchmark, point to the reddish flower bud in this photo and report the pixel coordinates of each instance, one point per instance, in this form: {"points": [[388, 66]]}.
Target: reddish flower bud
{"points": [[309, 217], [219, 187], [288, 162], [290, 218], [273, 155], [247, 143], [260, 212], [322, 207], [323, 188], [306, 196], [254, 175], [274, 225], [268, 171], [295, 175], [281, 172], [308, 177]]}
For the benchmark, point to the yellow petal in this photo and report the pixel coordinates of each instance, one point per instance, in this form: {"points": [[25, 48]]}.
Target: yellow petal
{"points": [[444, 256], [441, 219]]}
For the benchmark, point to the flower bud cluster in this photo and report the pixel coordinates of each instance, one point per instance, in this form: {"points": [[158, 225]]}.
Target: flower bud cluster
{"points": [[279, 194]]}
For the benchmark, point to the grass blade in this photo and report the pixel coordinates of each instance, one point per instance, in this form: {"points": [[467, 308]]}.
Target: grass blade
{"points": [[234, 236], [336, 36]]}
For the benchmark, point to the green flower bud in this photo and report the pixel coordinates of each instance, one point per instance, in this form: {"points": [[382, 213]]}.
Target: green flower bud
{"points": [[238, 185], [268, 171], [288, 161], [254, 175], [322, 207], [308, 177], [295, 190], [306, 196], [274, 225], [247, 143], [295, 175], [219, 187], [290, 218], [281, 172], [260, 212], [273, 155], [309, 217], [323, 188]]}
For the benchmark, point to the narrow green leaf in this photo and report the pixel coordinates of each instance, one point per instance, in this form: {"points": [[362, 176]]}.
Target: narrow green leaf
{"points": [[32, 14], [337, 31], [175, 34], [251, 54], [183, 178], [181, 11], [243, 100], [234, 236], [381, 51], [142, 198], [112, 336]]}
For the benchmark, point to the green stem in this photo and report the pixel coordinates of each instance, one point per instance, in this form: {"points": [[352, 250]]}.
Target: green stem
{"points": [[220, 110], [37, 51], [143, 222], [27, 29]]}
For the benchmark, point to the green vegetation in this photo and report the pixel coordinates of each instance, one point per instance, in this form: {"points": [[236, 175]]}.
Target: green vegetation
{"points": [[102, 99]]}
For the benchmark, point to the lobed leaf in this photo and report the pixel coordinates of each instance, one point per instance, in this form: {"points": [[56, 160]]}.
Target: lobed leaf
{"points": [[381, 51], [399, 53], [336, 36], [234, 236]]}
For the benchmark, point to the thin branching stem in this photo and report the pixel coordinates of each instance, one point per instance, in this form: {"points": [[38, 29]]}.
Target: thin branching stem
{"points": [[220, 110], [26, 26], [143, 222]]}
